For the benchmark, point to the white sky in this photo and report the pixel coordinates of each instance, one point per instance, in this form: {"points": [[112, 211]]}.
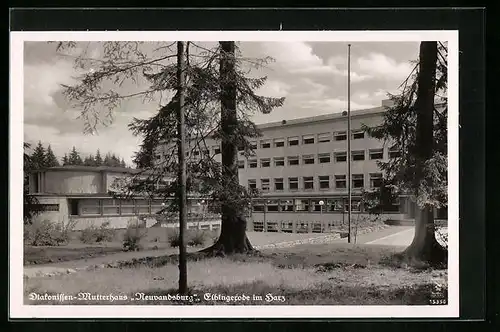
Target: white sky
{"points": [[311, 75]]}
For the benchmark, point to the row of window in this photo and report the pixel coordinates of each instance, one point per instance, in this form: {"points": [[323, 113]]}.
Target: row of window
{"points": [[321, 158], [313, 205], [323, 182]]}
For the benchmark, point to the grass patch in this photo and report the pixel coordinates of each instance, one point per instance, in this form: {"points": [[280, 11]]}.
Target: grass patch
{"points": [[308, 274]]}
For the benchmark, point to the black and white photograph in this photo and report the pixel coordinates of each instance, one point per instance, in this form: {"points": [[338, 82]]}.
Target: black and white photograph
{"points": [[248, 174]]}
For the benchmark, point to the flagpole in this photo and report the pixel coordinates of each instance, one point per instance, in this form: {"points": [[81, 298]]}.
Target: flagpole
{"points": [[349, 141]]}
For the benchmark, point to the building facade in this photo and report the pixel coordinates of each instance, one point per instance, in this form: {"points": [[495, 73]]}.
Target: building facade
{"points": [[80, 195]]}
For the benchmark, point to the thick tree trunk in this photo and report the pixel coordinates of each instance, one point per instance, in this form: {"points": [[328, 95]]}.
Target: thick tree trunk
{"points": [[424, 246], [233, 237]]}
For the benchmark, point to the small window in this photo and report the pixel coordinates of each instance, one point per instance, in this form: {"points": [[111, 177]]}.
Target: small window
{"points": [[358, 181], [279, 161], [293, 183], [340, 157], [265, 162], [279, 142], [324, 158], [324, 182], [358, 155], [265, 144], [196, 153], [376, 154], [258, 206], [252, 164], [308, 182], [355, 205], [293, 141], [278, 184], [241, 148], [216, 149], [333, 205], [308, 139], [264, 184], [375, 180], [301, 205], [358, 134], [308, 160], [253, 145], [324, 138], [340, 182], [286, 205], [394, 152], [272, 205], [252, 184], [293, 161], [241, 164], [316, 205], [340, 136]]}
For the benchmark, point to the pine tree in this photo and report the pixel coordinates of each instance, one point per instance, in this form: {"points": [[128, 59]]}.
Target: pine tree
{"points": [[98, 158], [50, 158], [108, 161], [65, 160], [74, 157], [122, 163], [89, 160], [38, 160]]}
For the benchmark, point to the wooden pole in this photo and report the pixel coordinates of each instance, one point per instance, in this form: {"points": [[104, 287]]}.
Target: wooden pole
{"points": [[181, 141]]}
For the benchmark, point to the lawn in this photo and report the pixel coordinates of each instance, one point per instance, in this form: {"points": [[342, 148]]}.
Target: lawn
{"points": [[333, 274]]}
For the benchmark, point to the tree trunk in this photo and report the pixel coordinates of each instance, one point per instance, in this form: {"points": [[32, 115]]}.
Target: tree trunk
{"points": [[233, 237], [424, 246], [182, 195]]}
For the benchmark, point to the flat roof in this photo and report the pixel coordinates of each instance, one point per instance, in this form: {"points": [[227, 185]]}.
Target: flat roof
{"points": [[83, 168]]}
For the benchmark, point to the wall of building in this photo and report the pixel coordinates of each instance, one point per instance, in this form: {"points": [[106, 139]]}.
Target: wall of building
{"points": [[72, 182]]}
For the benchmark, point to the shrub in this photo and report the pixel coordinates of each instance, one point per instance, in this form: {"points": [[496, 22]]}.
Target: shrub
{"points": [[196, 238], [174, 238], [133, 237], [46, 233], [99, 234]]}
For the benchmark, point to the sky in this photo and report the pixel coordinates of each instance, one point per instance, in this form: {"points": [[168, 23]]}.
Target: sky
{"points": [[312, 76]]}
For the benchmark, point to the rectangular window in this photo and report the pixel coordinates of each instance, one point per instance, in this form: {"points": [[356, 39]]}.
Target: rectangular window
{"points": [[279, 142], [308, 160], [358, 181], [293, 161], [293, 141], [340, 136], [323, 158], [241, 164], [355, 205], [265, 162], [340, 157], [90, 207], [376, 154], [358, 134], [324, 182], [278, 184], [324, 137], [286, 205], [308, 182], [358, 155], [375, 180], [216, 149], [252, 164], [258, 206], [301, 205], [394, 152], [308, 139], [264, 184], [110, 207], [316, 206], [127, 207], [279, 161], [48, 207], [241, 148], [265, 144], [272, 206], [293, 183], [253, 145], [333, 205], [340, 182], [206, 152], [252, 184], [73, 207], [196, 153]]}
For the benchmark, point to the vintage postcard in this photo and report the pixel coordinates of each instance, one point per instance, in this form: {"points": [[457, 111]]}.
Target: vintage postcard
{"points": [[249, 174]]}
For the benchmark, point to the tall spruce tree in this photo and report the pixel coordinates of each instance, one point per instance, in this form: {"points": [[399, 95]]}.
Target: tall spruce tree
{"points": [[74, 157], [38, 160], [211, 113], [417, 127], [65, 160], [98, 158], [50, 158]]}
